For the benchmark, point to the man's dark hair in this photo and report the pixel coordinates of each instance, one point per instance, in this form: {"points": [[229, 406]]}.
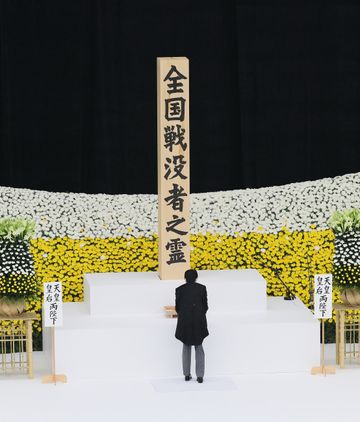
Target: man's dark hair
{"points": [[190, 275]]}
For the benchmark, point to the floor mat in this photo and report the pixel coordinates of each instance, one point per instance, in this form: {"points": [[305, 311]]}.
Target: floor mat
{"points": [[173, 385]]}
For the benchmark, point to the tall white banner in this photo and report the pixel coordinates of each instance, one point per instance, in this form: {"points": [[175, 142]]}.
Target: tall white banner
{"points": [[53, 305], [323, 296]]}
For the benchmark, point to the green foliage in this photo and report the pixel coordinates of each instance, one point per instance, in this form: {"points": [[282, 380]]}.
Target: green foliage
{"points": [[346, 262], [17, 229], [345, 221]]}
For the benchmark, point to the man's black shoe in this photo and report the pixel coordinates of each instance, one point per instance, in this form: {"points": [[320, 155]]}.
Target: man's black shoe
{"points": [[200, 379], [187, 377]]}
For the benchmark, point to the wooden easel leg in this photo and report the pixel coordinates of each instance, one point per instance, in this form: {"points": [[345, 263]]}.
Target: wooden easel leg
{"points": [[322, 369], [53, 378], [342, 339], [326, 370], [29, 347]]}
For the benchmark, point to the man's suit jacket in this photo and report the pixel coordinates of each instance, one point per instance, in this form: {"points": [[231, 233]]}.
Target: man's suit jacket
{"points": [[191, 306]]}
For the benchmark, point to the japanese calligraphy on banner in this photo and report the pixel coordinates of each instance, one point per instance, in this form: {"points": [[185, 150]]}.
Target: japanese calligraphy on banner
{"points": [[323, 296], [53, 315], [173, 166]]}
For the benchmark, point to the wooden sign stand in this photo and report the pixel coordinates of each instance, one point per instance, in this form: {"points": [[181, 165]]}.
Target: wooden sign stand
{"points": [[53, 378], [322, 369]]}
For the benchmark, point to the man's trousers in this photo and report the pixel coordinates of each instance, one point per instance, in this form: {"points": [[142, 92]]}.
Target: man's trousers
{"points": [[199, 360]]}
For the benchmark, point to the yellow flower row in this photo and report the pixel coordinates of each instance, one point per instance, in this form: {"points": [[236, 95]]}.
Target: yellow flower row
{"points": [[297, 256]]}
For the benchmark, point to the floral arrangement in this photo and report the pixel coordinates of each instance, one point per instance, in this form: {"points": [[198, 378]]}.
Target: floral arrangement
{"points": [[17, 229], [17, 275], [283, 228], [345, 222], [346, 264]]}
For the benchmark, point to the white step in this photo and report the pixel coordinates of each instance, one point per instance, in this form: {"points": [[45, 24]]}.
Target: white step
{"points": [[284, 338], [138, 293]]}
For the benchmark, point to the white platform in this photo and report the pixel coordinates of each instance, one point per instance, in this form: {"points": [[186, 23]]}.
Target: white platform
{"points": [[274, 336], [295, 397], [137, 293]]}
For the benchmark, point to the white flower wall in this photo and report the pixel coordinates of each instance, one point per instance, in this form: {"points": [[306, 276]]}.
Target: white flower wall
{"points": [[277, 230], [297, 206]]}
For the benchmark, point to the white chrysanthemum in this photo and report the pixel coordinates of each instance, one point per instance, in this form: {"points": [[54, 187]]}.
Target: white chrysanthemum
{"points": [[298, 206]]}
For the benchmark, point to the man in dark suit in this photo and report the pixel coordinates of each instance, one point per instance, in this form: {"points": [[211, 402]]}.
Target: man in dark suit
{"points": [[191, 306]]}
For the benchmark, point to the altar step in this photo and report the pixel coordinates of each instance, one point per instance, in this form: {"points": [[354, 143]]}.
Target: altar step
{"points": [[137, 293], [282, 338]]}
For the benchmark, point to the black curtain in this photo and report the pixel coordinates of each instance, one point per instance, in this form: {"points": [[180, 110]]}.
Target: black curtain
{"points": [[274, 91]]}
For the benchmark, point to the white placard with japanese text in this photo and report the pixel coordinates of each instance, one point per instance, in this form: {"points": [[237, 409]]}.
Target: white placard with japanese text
{"points": [[53, 305], [323, 296]]}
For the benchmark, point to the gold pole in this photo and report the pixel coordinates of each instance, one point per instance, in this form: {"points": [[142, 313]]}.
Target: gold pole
{"points": [[29, 347]]}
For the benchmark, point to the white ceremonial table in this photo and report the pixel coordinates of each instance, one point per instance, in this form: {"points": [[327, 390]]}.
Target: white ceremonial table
{"points": [[120, 330]]}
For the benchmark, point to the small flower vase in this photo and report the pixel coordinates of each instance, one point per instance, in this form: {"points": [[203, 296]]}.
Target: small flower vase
{"points": [[350, 296], [11, 307]]}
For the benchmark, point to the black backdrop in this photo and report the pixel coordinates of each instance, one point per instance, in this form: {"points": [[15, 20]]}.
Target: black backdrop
{"points": [[274, 91]]}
